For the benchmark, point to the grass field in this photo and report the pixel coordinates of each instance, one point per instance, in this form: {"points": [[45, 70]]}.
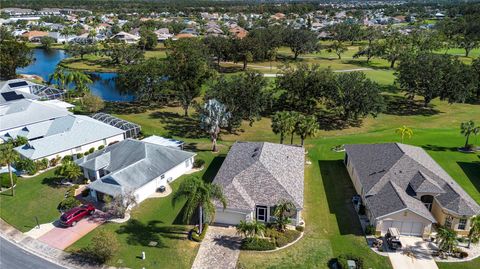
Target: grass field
{"points": [[332, 228], [34, 197]]}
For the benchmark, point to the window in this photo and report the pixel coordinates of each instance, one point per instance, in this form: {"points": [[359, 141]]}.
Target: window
{"points": [[262, 213], [448, 222], [462, 224]]}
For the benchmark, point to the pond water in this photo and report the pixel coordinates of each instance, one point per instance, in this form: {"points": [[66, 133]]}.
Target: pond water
{"points": [[46, 61]]}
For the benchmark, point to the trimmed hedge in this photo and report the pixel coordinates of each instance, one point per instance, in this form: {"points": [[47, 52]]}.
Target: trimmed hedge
{"points": [[300, 228], [259, 244], [199, 237], [68, 203], [5, 180]]}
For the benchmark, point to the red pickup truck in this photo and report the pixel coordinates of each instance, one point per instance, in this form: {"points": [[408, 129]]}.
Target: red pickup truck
{"points": [[74, 215]]}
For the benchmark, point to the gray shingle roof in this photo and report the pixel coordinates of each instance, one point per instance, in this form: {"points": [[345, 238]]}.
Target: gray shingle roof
{"points": [[409, 168], [262, 173], [131, 164]]}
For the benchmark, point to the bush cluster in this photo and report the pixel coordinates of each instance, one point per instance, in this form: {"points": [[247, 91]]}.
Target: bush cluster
{"points": [[198, 163], [342, 261], [300, 228], [5, 180], [101, 147], [70, 201], [369, 230], [259, 244], [199, 237]]}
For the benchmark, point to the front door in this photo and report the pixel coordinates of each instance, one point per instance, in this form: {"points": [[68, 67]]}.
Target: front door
{"points": [[262, 213]]}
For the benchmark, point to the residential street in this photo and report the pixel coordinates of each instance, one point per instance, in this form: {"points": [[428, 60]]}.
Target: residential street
{"points": [[13, 257]]}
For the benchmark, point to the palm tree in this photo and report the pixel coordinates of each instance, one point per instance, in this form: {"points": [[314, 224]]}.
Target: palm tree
{"points": [[69, 170], [213, 116], [474, 233], [251, 228], [257, 228], [447, 239], [282, 123], [8, 156], [404, 131], [244, 228], [307, 126], [80, 80], [468, 128], [281, 212], [61, 77], [199, 194]]}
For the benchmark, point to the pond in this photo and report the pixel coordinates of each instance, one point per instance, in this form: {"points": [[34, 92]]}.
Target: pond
{"points": [[47, 60]]}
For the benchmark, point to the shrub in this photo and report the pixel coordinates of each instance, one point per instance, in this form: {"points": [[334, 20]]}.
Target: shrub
{"points": [[101, 147], [26, 165], [91, 150], [5, 180], [86, 153], [463, 254], [342, 261], [42, 164], [198, 163], [199, 237], [102, 247], [369, 230], [67, 159], [85, 192], [300, 228], [259, 244], [79, 155], [55, 161], [68, 203]]}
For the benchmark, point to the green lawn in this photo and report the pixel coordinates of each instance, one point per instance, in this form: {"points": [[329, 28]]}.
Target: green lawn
{"points": [[33, 197], [332, 227]]}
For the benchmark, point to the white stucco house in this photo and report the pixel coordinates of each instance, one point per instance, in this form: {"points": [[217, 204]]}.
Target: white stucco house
{"points": [[257, 176], [133, 166]]}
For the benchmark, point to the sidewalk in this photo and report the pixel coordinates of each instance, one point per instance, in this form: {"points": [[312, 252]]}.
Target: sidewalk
{"points": [[41, 249]]}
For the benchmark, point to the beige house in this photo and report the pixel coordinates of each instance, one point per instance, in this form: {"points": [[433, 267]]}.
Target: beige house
{"points": [[402, 186]]}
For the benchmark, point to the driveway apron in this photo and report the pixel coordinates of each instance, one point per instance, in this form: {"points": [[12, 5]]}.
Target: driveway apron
{"points": [[219, 249], [420, 258], [62, 237]]}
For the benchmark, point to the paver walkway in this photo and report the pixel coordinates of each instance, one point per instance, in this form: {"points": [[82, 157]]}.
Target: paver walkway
{"points": [[421, 258], [219, 249], [62, 237]]}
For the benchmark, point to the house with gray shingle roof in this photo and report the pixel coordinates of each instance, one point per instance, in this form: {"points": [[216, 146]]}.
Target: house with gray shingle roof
{"points": [[133, 166], [402, 186], [256, 176]]}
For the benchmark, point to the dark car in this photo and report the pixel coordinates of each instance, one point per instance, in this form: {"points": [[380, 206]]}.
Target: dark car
{"points": [[74, 215]]}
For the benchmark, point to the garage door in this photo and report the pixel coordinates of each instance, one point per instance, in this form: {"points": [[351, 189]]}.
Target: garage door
{"points": [[404, 227], [225, 217]]}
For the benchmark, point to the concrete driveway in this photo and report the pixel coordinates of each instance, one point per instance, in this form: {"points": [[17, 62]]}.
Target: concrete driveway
{"points": [[62, 237], [420, 257]]}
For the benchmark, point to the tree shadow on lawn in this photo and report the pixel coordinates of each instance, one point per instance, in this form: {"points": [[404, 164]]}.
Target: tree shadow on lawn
{"points": [[401, 106], [130, 107], [472, 170], [139, 233], [54, 182], [329, 121], [438, 148], [363, 64], [178, 125], [339, 191]]}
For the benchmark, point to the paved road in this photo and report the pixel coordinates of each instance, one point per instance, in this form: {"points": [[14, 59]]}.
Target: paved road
{"points": [[13, 257]]}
